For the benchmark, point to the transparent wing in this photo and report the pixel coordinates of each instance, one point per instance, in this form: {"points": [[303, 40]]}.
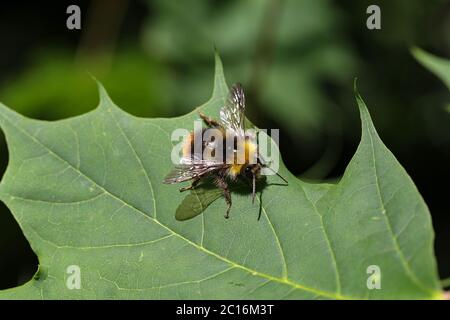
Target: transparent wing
{"points": [[197, 201], [184, 172], [232, 113]]}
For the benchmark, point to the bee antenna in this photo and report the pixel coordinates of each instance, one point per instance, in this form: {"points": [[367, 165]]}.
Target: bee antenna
{"points": [[277, 174], [254, 189]]}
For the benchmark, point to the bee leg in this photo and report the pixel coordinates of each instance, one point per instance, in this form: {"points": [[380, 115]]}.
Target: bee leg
{"points": [[209, 121], [222, 184], [227, 195], [192, 186]]}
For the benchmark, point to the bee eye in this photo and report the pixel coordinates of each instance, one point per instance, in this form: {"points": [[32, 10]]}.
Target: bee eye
{"points": [[248, 170]]}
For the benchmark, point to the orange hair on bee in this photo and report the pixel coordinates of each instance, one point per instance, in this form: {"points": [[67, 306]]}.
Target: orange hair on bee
{"points": [[187, 147], [250, 152]]}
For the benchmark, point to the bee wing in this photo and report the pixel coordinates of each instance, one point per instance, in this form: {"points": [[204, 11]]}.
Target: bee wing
{"points": [[196, 202], [233, 112], [187, 171]]}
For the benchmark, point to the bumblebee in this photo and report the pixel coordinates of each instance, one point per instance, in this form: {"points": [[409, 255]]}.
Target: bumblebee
{"points": [[198, 163]]}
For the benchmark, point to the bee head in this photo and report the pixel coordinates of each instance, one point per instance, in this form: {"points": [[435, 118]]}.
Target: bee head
{"points": [[253, 170]]}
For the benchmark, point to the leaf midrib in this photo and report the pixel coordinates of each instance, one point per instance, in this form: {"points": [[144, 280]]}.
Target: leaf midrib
{"points": [[327, 238]]}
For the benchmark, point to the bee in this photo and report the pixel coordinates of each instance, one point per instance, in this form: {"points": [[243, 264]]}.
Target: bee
{"points": [[195, 166]]}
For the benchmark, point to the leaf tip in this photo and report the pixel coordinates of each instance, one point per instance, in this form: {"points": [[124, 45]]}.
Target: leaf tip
{"points": [[103, 94], [218, 63], [359, 100], [355, 84], [219, 79], [363, 111], [415, 50], [216, 51], [419, 54]]}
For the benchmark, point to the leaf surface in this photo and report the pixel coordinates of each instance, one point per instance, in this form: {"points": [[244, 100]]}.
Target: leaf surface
{"points": [[88, 191]]}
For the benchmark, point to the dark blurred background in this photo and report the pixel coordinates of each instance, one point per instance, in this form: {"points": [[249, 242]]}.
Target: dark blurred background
{"points": [[296, 59]]}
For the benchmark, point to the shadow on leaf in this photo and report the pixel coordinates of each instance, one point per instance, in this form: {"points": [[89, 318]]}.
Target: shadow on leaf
{"points": [[206, 193]]}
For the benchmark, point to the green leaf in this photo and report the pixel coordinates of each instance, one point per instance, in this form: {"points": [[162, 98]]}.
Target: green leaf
{"points": [[88, 191], [439, 66]]}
